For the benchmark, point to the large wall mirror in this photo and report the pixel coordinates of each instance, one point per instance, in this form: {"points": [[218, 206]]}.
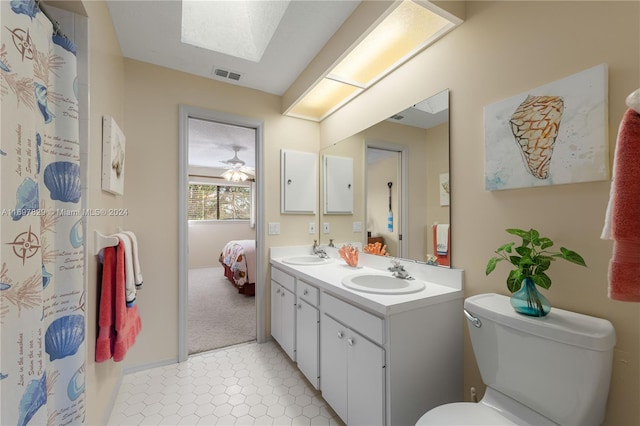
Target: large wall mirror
{"points": [[399, 185]]}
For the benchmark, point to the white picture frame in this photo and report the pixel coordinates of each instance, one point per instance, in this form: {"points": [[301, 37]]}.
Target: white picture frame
{"points": [[113, 156]]}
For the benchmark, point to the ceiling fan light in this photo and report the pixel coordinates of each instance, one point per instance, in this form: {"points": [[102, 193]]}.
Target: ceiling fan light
{"points": [[235, 176]]}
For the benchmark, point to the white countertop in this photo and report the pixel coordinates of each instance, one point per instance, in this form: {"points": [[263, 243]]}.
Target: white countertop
{"points": [[442, 284]]}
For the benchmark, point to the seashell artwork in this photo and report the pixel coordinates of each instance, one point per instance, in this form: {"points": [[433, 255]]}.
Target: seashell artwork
{"points": [[41, 98], [535, 125], [75, 235], [38, 159], [62, 178], [64, 42], [34, 397], [4, 67], [5, 286], [64, 336], [27, 199], [560, 130], [26, 7], [76, 385]]}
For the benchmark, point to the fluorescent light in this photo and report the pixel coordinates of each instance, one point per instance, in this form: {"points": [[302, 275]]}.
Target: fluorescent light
{"points": [[405, 31], [237, 28]]}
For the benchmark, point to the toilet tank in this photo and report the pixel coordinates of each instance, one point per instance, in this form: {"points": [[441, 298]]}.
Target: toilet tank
{"points": [[558, 365]]}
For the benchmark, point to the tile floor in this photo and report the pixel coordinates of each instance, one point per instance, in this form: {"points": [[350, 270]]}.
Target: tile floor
{"points": [[248, 384]]}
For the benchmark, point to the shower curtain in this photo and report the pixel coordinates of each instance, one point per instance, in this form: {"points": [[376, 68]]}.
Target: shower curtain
{"points": [[42, 293]]}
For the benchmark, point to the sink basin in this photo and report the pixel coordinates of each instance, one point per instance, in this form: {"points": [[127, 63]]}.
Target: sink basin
{"points": [[309, 260], [382, 284]]}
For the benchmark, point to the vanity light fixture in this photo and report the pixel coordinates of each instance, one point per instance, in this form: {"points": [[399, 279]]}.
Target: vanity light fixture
{"points": [[408, 28]]}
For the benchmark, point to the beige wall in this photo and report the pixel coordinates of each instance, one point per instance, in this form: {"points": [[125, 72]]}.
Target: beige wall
{"points": [[106, 85], [207, 239], [501, 50]]}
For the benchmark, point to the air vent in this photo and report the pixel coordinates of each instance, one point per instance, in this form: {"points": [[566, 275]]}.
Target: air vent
{"points": [[397, 117], [219, 72]]}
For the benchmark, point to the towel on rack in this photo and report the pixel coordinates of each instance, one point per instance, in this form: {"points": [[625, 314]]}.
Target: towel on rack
{"points": [[442, 238], [118, 324], [127, 321], [622, 220], [130, 279], [106, 314], [137, 272]]}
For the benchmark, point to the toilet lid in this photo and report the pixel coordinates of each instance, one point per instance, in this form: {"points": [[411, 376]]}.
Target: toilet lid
{"points": [[463, 413]]}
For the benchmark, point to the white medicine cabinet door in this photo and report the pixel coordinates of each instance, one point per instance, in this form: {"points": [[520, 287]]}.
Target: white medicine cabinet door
{"points": [[298, 182], [338, 184]]}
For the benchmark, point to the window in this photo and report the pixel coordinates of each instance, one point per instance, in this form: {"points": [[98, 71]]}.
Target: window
{"points": [[218, 202]]}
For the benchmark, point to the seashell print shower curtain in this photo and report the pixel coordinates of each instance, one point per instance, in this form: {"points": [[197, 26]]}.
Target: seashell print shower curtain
{"points": [[42, 294]]}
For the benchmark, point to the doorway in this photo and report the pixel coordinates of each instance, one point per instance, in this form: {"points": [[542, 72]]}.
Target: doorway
{"points": [[221, 223], [385, 196]]}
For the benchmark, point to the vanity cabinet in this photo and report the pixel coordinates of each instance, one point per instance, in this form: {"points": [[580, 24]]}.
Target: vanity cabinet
{"points": [[283, 311], [353, 374], [308, 332]]}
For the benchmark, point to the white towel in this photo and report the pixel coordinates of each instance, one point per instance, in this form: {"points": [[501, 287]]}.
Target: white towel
{"points": [[136, 261], [130, 282], [442, 238]]}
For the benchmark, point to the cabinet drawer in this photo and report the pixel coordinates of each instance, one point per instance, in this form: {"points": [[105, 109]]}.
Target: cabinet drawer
{"points": [[285, 280], [363, 322], [308, 293]]}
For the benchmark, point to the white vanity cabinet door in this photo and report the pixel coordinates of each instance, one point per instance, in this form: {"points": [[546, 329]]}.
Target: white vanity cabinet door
{"points": [[298, 182], [352, 373], [283, 318], [333, 364], [307, 340], [366, 381]]}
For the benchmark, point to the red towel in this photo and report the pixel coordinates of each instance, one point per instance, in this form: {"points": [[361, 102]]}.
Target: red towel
{"points": [[624, 267], [119, 325], [106, 332]]}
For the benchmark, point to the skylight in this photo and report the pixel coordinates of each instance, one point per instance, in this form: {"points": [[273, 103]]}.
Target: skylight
{"points": [[237, 28]]}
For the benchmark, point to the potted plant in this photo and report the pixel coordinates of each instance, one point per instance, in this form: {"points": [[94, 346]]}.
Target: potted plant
{"points": [[531, 260]]}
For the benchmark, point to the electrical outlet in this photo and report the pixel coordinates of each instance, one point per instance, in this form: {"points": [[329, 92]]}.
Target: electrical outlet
{"points": [[274, 228], [357, 226], [312, 227], [325, 228]]}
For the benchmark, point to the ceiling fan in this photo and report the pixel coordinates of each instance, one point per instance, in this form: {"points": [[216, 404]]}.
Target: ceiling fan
{"points": [[237, 171]]}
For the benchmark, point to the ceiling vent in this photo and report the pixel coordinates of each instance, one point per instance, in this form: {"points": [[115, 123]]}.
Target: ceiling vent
{"points": [[219, 72], [397, 117]]}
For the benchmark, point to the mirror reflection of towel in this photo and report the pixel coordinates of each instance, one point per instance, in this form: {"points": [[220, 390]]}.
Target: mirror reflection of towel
{"points": [[442, 238]]}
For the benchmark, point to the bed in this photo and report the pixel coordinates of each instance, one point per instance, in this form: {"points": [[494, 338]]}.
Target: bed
{"points": [[239, 261]]}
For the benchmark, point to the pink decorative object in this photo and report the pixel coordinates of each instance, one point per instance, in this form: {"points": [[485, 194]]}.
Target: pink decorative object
{"points": [[349, 254]]}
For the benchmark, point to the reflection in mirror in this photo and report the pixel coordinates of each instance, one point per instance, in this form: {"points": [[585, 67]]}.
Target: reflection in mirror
{"points": [[421, 136]]}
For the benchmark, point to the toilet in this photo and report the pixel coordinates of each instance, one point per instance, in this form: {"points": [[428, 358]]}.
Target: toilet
{"points": [[553, 370]]}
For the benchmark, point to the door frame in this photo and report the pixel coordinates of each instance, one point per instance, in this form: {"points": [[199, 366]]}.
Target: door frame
{"points": [[187, 112], [403, 150]]}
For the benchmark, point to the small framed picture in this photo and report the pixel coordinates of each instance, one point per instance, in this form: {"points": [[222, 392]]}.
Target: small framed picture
{"points": [[113, 149], [444, 189]]}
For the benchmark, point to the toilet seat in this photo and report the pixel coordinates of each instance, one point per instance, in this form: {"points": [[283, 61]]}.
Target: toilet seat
{"points": [[464, 413]]}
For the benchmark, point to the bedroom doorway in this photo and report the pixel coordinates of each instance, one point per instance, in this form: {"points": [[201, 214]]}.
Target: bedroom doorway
{"points": [[220, 224]]}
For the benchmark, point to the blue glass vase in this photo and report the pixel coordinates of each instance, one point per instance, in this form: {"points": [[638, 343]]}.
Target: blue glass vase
{"points": [[529, 301]]}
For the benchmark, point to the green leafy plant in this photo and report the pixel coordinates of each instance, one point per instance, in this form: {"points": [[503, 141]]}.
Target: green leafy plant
{"points": [[531, 259]]}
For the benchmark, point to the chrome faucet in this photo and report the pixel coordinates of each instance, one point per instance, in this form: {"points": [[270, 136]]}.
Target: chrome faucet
{"points": [[317, 250], [399, 271]]}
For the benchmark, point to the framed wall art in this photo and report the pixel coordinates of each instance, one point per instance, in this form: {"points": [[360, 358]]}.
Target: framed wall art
{"points": [[113, 156], [554, 134]]}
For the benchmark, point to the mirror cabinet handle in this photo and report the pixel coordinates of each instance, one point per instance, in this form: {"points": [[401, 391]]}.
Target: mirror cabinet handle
{"points": [[340, 335], [350, 341]]}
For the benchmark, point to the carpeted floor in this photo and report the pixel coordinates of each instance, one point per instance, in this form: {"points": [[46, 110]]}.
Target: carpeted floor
{"points": [[218, 315]]}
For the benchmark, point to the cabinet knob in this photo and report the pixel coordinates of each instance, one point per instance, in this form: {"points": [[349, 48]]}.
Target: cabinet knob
{"points": [[282, 294], [350, 341], [340, 335], [278, 290], [289, 182], [299, 305], [305, 292]]}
